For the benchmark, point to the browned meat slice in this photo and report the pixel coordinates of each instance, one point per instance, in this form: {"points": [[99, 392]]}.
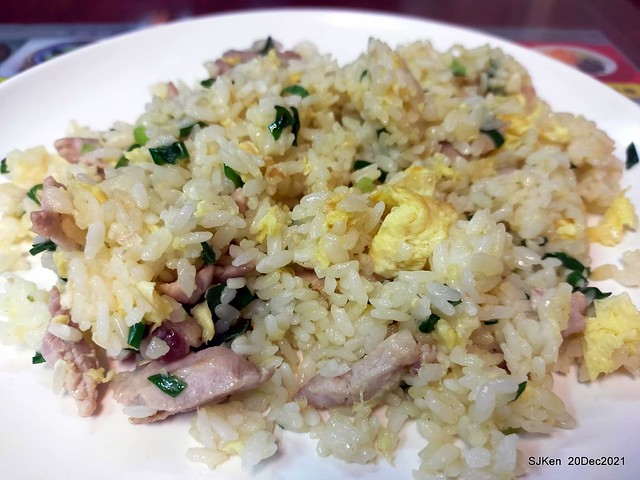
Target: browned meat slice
{"points": [[179, 336], [211, 375], [82, 364], [577, 321], [73, 150], [236, 57], [240, 199], [49, 223], [381, 370], [309, 278], [172, 90], [206, 276]]}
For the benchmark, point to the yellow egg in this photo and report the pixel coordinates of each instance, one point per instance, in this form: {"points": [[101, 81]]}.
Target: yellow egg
{"points": [[270, 224], [161, 308], [619, 216], [612, 334], [567, 229], [414, 225], [446, 334]]}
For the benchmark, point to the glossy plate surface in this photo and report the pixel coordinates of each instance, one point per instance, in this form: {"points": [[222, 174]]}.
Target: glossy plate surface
{"points": [[41, 436]]}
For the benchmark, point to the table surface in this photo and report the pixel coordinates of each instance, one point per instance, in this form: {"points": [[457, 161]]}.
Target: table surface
{"points": [[605, 28]]}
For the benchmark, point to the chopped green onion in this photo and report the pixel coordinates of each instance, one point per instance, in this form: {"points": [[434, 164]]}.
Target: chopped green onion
{"points": [[511, 431], [243, 298], [365, 184], [140, 135], [136, 332], [208, 255], [232, 175], [122, 162], [521, 387], [169, 154], [208, 82], [46, 246], [268, 45], [360, 164], [429, 324], [186, 131], [632, 156], [294, 90], [490, 322], [169, 384], [576, 280], [594, 293], [87, 147], [30, 298], [37, 358], [380, 131], [455, 302], [283, 120], [363, 74], [33, 193], [232, 333], [212, 297], [567, 261], [495, 136], [3, 166], [458, 69]]}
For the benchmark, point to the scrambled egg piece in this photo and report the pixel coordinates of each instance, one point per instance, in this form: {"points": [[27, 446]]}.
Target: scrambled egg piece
{"points": [[161, 308], [619, 215], [415, 224], [612, 335], [567, 229], [270, 224], [446, 334]]}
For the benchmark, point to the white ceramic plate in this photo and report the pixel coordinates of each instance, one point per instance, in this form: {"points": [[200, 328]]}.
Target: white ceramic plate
{"points": [[40, 434]]}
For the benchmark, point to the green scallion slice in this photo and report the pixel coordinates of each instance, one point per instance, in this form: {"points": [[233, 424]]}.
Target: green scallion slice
{"points": [[269, 44], [46, 246], [243, 298], [3, 166], [365, 184], [490, 322], [122, 162], [208, 255], [363, 74], [380, 131], [567, 261], [521, 387], [208, 82], [594, 293], [33, 193], [576, 280], [37, 358], [87, 147], [140, 135], [458, 69], [186, 131], [212, 297], [429, 324], [294, 90], [283, 120], [169, 154], [136, 332], [495, 136], [360, 164], [455, 302], [632, 156], [169, 384], [232, 175]]}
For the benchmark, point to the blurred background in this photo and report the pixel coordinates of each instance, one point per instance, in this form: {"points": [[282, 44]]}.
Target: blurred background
{"points": [[599, 37]]}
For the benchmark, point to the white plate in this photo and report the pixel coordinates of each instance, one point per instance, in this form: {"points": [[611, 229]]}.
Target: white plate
{"points": [[41, 436]]}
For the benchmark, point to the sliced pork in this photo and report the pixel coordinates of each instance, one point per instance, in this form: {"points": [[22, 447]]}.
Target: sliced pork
{"points": [[205, 277], [80, 358], [381, 370], [75, 149], [210, 375], [577, 321], [49, 223]]}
